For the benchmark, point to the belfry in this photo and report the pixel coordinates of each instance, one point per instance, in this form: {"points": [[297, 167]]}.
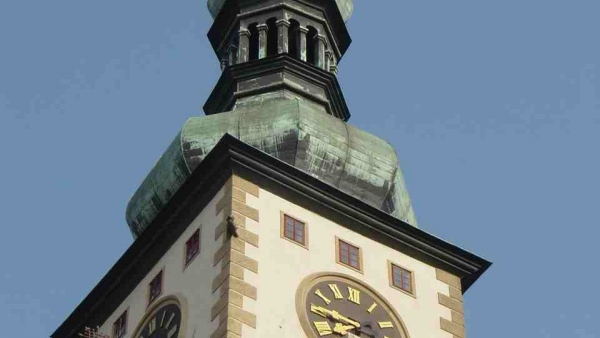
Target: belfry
{"points": [[272, 216]]}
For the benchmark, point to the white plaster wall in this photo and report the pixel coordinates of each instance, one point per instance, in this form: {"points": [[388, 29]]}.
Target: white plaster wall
{"points": [[193, 282], [283, 265]]}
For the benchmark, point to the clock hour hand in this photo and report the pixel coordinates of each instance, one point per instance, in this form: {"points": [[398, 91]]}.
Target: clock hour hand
{"points": [[332, 314], [343, 329]]}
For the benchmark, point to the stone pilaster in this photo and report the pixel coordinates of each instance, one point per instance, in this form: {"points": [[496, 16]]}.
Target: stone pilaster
{"points": [[232, 53], [230, 285], [263, 29], [244, 50], [302, 47], [453, 301], [283, 27], [320, 45]]}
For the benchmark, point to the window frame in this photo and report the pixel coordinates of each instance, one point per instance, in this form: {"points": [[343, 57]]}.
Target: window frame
{"points": [[187, 261], [114, 331], [413, 292], [338, 257], [162, 286], [283, 216]]}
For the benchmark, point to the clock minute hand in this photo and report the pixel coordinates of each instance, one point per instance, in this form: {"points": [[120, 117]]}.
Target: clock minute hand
{"points": [[337, 316]]}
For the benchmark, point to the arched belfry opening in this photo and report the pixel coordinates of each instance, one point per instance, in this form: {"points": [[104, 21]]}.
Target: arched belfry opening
{"points": [[253, 45], [272, 36], [311, 45], [294, 39]]}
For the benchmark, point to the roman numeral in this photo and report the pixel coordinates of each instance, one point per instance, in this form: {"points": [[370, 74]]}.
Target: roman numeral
{"points": [[322, 296], [323, 328], [170, 319], [372, 307], [172, 331], [163, 318], [152, 326], [336, 291], [385, 325], [353, 295]]}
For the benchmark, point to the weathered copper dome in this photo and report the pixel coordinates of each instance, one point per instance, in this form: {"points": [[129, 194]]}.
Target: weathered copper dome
{"points": [[355, 162]]}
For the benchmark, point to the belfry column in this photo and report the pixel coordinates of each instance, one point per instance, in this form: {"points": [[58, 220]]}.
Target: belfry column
{"points": [[232, 55], [282, 36], [244, 51], [320, 51], [262, 40], [303, 33]]}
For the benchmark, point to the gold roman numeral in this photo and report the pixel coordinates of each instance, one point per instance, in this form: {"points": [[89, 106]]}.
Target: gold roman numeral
{"points": [[353, 295], [172, 331], [336, 291], [385, 325], [163, 318], [323, 328], [322, 296], [152, 326], [372, 307], [170, 319]]}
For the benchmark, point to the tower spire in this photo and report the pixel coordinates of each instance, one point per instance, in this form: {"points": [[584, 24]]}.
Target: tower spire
{"points": [[282, 48]]}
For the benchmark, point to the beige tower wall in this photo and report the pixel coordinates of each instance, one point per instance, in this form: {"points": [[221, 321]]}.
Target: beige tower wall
{"points": [[284, 264], [191, 284], [245, 286]]}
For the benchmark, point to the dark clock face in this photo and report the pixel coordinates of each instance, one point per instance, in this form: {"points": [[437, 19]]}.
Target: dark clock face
{"points": [[163, 322], [339, 306]]}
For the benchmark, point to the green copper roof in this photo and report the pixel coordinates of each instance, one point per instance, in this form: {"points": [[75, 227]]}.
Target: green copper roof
{"points": [[354, 161]]}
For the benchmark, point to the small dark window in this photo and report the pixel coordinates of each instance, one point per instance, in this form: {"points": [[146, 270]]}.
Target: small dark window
{"points": [[349, 255], [155, 287], [294, 230], [192, 247], [120, 326], [402, 278]]}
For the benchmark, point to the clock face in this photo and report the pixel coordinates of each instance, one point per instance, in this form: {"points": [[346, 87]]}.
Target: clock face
{"points": [[336, 305], [162, 322]]}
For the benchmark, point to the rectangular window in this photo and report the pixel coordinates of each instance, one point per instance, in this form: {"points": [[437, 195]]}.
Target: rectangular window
{"points": [[294, 230], [155, 287], [120, 326], [192, 247], [349, 255], [401, 278]]}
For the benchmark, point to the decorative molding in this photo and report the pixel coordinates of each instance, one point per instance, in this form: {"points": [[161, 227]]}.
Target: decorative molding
{"points": [[299, 77], [454, 302], [231, 256]]}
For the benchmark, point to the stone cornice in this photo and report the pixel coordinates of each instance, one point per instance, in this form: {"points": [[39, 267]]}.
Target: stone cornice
{"points": [[227, 90]]}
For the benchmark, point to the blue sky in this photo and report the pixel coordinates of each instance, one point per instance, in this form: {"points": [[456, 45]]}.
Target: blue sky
{"points": [[493, 107]]}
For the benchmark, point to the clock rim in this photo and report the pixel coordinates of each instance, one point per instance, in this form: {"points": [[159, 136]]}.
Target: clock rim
{"points": [[176, 299], [309, 281]]}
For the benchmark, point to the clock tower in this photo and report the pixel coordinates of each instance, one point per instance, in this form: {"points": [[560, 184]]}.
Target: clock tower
{"points": [[272, 216]]}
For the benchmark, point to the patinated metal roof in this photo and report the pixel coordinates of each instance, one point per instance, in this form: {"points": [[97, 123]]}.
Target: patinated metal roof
{"points": [[356, 162], [346, 7]]}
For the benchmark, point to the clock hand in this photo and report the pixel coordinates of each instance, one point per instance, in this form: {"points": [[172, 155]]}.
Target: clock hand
{"points": [[342, 329], [324, 312]]}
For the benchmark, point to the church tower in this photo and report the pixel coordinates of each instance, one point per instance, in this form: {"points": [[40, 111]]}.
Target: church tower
{"points": [[272, 216]]}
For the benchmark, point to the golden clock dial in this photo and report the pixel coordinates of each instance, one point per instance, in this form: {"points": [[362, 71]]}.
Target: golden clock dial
{"points": [[336, 305]]}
